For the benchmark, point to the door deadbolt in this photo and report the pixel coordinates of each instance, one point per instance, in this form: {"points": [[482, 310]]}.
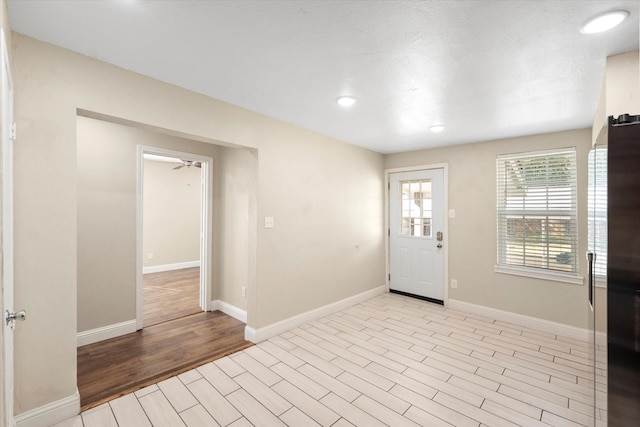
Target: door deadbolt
{"points": [[439, 236]]}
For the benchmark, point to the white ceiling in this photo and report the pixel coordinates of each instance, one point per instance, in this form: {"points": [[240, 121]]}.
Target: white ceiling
{"points": [[485, 69]]}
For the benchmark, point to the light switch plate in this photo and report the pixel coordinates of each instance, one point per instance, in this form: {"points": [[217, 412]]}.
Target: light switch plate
{"points": [[268, 222], [452, 213]]}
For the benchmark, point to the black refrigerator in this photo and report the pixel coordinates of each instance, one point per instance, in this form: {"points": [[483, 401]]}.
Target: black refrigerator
{"points": [[623, 271]]}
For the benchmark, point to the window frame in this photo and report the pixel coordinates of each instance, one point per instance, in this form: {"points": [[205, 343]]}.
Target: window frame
{"points": [[597, 218], [542, 214]]}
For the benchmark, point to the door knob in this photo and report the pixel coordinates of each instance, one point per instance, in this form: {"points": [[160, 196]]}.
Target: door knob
{"points": [[12, 317], [439, 246]]}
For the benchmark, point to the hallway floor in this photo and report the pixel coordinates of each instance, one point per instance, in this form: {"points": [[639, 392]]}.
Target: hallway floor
{"points": [[169, 295], [110, 368], [391, 360]]}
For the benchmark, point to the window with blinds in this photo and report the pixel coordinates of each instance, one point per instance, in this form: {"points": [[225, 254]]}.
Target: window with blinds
{"points": [[536, 210], [597, 218]]}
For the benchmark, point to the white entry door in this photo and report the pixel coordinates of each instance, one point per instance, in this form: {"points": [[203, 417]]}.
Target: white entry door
{"points": [[6, 359], [416, 239]]}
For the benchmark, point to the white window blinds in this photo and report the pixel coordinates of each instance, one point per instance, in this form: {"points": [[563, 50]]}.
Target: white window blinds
{"points": [[597, 218], [536, 210]]}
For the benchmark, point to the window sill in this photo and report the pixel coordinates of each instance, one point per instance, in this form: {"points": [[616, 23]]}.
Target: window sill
{"points": [[574, 279]]}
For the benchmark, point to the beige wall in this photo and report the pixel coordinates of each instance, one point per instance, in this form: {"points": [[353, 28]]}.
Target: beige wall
{"points": [[622, 90], [328, 241], [236, 209], [106, 221], [472, 233], [171, 213], [619, 92], [326, 197]]}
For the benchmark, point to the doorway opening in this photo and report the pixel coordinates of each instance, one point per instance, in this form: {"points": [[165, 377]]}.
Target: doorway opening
{"points": [[118, 351], [173, 243]]}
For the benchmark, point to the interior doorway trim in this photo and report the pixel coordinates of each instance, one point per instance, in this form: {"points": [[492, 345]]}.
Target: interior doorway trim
{"points": [[387, 248], [7, 240], [206, 225]]}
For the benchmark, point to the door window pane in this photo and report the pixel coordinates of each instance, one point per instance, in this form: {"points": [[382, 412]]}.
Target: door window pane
{"points": [[416, 208]]}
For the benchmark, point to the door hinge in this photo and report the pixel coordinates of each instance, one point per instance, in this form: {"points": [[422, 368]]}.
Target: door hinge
{"points": [[389, 276], [389, 185], [14, 131], [388, 232]]}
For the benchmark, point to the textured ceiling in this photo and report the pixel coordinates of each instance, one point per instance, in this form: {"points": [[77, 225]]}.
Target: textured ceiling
{"points": [[485, 69]]}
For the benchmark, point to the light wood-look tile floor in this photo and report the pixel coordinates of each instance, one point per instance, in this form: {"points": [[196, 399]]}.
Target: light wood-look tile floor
{"points": [[391, 360]]}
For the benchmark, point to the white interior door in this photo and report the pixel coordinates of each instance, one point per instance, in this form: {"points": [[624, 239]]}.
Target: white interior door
{"points": [[416, 227], [6, 87]]}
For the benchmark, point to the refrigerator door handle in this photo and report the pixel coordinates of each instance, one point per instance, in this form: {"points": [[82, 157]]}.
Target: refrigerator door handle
{"points": [[590, 257]]}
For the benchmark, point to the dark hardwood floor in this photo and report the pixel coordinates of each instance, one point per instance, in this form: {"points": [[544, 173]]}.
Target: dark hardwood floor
{"points": [[170, 295], [177, 336], [114, 367]]}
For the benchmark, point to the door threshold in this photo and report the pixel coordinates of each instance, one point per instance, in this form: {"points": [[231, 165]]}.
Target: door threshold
{"points": [[180, 316], [407, 294]]}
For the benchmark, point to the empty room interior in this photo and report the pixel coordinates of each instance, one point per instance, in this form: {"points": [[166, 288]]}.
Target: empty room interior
{"points": [[304, 213], [172, 202]]}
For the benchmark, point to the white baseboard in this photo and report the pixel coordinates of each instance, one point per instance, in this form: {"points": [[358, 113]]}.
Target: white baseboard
{"points": [[522, 320], [266, 332], [169, 267], [231, 310], [51, 413], [106, 332]]}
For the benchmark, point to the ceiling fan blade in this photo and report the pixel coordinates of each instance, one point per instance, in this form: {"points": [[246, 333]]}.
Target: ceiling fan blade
{"points": [[198, 164], [179, 166]]}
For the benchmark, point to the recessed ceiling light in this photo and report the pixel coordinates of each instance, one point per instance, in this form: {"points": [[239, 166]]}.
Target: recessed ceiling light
{"points": [[436, 128], [604, 21], [346, 101]]}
